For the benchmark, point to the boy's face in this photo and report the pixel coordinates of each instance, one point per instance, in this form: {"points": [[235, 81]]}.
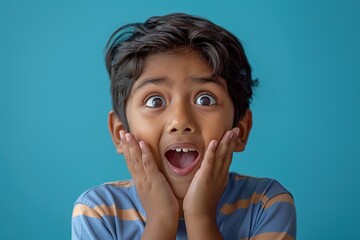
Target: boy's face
{"points": [[177, 108]]}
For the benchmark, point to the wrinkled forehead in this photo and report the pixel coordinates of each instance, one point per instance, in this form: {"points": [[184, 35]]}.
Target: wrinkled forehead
{"points": [[159, 66], [184, 50]]}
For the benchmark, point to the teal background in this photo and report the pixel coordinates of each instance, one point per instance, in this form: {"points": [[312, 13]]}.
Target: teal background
{"points": [[54, 100]]}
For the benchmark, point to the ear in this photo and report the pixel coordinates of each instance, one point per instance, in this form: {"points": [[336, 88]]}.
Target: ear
{"points": [[244, 125], [115, 125]]}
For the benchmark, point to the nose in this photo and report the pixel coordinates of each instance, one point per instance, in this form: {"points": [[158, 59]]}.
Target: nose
{"points": [[181, 120]]}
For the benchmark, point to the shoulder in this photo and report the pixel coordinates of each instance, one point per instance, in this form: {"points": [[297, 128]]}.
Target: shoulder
{"points": [[107, 193], [98, 210], [245, 187], [108, 199], [254, 194], [263, 205]]}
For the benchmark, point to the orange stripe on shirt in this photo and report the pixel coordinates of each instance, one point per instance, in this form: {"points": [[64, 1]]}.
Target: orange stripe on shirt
{"points": [[228, 208], [240, 177], [120, 184], [272, 236], [82, 209], [104, 210], [284, 197]]}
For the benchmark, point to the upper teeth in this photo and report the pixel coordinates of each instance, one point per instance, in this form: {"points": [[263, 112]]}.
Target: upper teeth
{"points": [[183, 149]]}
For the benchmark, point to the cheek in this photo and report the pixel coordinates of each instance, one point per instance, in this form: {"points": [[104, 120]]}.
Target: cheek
{"points": [[216, 134], [215, 129], [146, 130]]}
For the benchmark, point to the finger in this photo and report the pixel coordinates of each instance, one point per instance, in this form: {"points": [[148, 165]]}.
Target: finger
{"points": [[232, 145], [135, 154], [225, 150], [126, 153], [209, 160], [222, 150], [148, 162]]}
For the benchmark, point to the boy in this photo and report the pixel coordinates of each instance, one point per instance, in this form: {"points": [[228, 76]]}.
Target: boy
{"points": [[181, 88]]}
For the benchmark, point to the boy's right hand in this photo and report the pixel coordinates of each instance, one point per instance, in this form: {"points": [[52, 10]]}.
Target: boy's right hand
{"points": [[160, 204]]}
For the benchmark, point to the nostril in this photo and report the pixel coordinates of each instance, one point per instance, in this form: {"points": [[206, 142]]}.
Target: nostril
{"points": [[187, 129]]}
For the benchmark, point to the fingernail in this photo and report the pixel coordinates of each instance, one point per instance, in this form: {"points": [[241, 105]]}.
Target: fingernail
{"points": [[121, 135], [231, 134], [214, 145], [142, 146], [128, 137], [237, 131]]}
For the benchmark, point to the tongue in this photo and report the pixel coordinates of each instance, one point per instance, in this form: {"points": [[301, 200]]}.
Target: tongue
{"points": [[181, 159]]}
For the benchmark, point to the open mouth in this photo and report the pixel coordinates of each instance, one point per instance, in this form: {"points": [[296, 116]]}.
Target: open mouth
{"points": [[182, 158]]}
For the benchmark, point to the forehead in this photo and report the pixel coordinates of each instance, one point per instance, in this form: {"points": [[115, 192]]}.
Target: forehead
{"points": [[185, 58], [172, 66]]}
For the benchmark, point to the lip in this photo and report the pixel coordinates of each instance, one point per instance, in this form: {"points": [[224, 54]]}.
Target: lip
{"points": [[188, 169]]}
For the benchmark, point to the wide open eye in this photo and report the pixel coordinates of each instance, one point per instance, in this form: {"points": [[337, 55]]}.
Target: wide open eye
{"points": [[155, 102], [205, 100]]}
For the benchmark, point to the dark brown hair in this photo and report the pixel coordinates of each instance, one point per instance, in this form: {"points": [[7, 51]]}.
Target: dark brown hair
{"points": [[129, 45]]}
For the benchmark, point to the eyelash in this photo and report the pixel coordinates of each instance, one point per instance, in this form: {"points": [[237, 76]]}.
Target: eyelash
{"points": [[213, 99], [151, 98]]}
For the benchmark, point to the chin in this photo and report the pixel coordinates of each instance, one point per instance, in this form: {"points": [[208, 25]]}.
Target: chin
{"points": [[180, 188]]}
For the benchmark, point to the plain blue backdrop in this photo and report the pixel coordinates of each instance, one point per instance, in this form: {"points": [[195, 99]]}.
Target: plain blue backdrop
{"points": [[54, 99]]}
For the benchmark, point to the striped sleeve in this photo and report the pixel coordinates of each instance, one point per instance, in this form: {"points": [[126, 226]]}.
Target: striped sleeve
{"points": [[87, 224], [109, 211], [258, 209], [277, 219]]}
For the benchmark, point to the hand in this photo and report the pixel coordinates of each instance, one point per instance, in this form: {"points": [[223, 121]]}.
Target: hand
{"points": [[210, 180], [207, 187], [160, 204], [153, 189]]}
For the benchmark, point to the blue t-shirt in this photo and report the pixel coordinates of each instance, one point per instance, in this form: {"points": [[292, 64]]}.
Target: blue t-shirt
{"points": [[249, 207]]}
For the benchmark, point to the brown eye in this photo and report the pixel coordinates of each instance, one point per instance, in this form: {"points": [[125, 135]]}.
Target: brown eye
{"points": [[205, 100], [155, 102]]}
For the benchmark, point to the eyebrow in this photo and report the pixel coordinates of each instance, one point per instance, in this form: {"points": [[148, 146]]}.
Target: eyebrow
{"points": [[210, 80], [169, 83], [156, 81]]}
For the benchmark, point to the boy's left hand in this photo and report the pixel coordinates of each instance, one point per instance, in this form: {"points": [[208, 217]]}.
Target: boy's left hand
{"points": [[210, 180]]}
